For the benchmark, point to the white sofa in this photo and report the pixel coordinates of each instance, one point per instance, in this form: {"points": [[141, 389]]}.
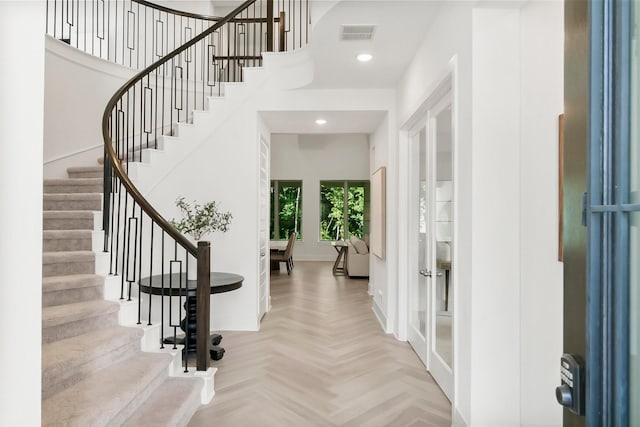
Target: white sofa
{"points": [[357, 259]]}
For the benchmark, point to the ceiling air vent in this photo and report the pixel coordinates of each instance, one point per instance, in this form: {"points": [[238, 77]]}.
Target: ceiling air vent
{"points": [[357, 32]]}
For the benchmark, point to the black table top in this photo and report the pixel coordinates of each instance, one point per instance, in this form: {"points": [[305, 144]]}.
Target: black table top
{"points": [[174, 284]]}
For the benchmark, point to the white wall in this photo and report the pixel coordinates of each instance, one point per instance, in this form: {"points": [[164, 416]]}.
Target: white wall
{"points": [[77, 89], [542, 97], [220, 162], [378, 271], [21, 116], [508, 94], [448, 39], [315, 158], [495, 294]]}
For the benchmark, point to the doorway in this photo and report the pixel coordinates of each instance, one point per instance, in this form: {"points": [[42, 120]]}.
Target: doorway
{"points": [[430, 326]]}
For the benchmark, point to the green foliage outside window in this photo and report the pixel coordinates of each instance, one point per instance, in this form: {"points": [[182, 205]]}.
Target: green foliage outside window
{"points": [[286, 209], [333, 212]]}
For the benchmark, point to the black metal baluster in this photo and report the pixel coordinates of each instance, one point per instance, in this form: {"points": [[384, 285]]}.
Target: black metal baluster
{"points": [[184, 290], [144, 54], [162, 292], [125, 248], [106, 208], [137, 32], [140, 268], [204, 62], [171, 323], [150, 296], [113, 235], [171, 95], [132, 149], [138, 146]]}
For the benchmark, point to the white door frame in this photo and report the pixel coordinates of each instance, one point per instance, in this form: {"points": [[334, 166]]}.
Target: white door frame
{"points": [[446, 82]]}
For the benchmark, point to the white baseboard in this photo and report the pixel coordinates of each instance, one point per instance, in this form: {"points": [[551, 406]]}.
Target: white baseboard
{"points": [[380, 315]]}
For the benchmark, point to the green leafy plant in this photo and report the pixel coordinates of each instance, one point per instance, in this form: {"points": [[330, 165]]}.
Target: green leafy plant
{"points": [[198, 220]]}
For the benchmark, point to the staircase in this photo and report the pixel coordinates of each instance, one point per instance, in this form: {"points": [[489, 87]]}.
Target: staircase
{"points": [[96, 371], [93, 370]]}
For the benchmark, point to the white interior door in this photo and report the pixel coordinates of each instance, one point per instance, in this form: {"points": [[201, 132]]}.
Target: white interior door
{"points": [[421, 261], [441, 304], [263, 294]]}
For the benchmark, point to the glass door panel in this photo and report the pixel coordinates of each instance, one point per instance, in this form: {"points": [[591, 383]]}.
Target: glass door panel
{"points": [[443, 237], [418, 289], [440, 336]]}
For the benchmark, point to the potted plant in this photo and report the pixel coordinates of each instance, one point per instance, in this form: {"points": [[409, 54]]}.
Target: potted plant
{"points": [[198, 220]]}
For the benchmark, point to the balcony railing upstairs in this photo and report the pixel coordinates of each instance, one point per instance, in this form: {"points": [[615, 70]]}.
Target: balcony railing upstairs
{"points": [[136, 33]]}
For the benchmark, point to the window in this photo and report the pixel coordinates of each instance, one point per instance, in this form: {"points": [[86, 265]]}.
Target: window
{"points": [[344, 209], [286, 209]]}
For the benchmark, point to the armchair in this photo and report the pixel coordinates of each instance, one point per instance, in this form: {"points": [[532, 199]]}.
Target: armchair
{"points": [[357, 258]]}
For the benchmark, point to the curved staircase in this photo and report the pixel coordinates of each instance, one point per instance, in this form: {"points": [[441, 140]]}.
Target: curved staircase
{"points": [[94, 371], [101, 363]]}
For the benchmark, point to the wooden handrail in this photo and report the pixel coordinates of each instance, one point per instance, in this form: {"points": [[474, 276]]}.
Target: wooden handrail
{"points": [[111, 156], [178, 12]]}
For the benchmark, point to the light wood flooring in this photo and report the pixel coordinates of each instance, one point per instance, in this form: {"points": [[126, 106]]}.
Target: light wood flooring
{"points": [[321, 359]]}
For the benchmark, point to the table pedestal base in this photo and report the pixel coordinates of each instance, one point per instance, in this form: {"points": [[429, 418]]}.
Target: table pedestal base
{"points": [[215, 351], [189, 329]]}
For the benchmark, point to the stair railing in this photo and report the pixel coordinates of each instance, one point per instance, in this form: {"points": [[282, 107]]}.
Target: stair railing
{"points": [[136, 33], [140, 115], [133, 33]]}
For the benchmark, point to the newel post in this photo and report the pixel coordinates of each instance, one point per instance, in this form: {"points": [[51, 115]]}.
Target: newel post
{"points": [[203, 303]]}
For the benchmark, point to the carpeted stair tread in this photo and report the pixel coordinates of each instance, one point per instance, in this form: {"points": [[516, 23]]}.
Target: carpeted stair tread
{"points": [[58, 290], [72, 201], [67, 263], [172, 404], [73, 185], [74, 181], [85, 171], [67, 240], [67, 214], [73, 281], [64, 321], [67, 313], [68, 220], [109, 396], [68, 361]]}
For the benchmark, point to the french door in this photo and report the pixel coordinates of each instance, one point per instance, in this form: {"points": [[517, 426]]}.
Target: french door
{"points": [[431, 306], [265, 187]]}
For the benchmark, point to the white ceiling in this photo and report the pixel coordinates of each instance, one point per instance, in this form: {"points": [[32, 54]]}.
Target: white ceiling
{"points": [[303, 122], [401, 27]]}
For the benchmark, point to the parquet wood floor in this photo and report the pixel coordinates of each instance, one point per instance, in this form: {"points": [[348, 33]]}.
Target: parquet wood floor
{"points": [[321, 359]]}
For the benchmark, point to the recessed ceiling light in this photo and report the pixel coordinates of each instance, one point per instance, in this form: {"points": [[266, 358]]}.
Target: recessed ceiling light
{"points": [[321, 122], [365, 57]]}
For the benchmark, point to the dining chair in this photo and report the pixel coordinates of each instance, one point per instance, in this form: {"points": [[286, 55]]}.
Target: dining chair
{"points": [[278, 256]]}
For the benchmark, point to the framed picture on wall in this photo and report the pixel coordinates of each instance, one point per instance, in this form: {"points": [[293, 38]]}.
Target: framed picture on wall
{"points": [[378, 212]]}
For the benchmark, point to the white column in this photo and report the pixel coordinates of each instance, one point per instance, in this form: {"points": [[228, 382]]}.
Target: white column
{"points": [[22, 27], [495, 290]]}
